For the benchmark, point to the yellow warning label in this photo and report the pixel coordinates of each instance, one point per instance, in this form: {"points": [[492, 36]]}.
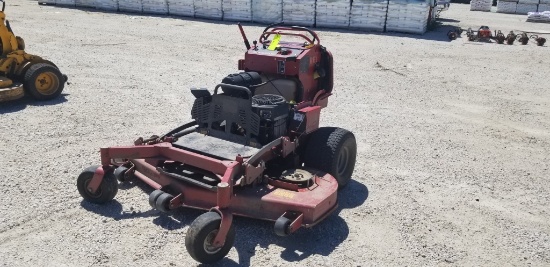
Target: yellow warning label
{"points": [[283, 193], [274, 42]]}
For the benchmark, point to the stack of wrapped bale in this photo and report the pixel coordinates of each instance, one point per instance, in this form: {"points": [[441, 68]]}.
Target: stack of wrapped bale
{"points": [[209, 9], [410, 16], [368, 14], [109, 5], [84, 3], [181, 8], [299, 12], [539, 16], [526, 6], [507, 6], [332, 13], [154, 6], [130, 6], [267, 11], [237, 10], [544, 5], [481, 5]]}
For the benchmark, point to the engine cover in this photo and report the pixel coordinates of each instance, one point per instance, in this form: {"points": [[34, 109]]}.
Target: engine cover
{"points": [[273, 111]]}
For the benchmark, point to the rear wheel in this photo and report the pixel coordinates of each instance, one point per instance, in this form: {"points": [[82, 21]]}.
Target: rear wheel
{"points": [[332, 150], [200, 238], [105, 192], [43, 81]]}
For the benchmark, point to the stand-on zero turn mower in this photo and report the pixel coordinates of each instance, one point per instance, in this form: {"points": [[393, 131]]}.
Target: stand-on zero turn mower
{"points": [[254, 148], [21, 72]]}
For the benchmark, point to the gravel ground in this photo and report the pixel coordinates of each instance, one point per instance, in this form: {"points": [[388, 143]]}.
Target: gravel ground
{"points": [[453, 160]]}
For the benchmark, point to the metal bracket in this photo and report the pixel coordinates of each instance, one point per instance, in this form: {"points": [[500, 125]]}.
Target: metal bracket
{"points": [[297, 220], [97, 179], [251, 172], [177, 201], [225, 225]]}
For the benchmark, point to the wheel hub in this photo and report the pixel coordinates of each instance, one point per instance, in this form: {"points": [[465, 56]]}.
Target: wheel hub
{"points": [[97, 193], [46, 83], [209, 243], [296, 176], [343, 159]]}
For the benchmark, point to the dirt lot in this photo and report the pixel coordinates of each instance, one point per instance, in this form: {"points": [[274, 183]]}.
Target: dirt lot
{"points": [[454, 144]]}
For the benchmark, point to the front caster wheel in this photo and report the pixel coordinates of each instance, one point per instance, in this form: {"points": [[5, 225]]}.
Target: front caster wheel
{"points": [[105, 192], [153, 198], [163, 202], [121, 174], [282, 226], [200, 238]]}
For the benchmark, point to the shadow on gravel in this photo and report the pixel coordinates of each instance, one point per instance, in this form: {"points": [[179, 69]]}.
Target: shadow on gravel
{"points": [[20, 104], [114, 210], [448, 20], [253, 236]]}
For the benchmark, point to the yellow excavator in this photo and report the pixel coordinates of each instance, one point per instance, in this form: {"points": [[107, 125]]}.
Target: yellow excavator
{"points": [[21, 72]]}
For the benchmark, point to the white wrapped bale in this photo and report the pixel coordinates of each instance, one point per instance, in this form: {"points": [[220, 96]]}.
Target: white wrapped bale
{"points": [[544, 7], [407, 16], [299, 12], [130, 6], [481, 5], [539, 16], [368, 14], [332, 13], [209, 9], [184, 8], [84, 3], [525, 8], [267, 11], [154, 7], [506, 7], [237, 10], [528, 1], [108, 5]]}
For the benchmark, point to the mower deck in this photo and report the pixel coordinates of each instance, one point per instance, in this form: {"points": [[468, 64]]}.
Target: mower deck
{"points": [[266, 202], [11, 93]]}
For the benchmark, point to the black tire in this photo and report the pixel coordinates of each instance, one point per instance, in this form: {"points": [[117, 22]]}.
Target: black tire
{"points": [[50, 79], [163, 202], [107, 189], [153, 198], [202, 232], [120, 173], [282, 226], [332, 150], [452, 35]]}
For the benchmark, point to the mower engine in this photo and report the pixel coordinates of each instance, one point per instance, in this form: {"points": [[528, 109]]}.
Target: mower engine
{"points": [[281, 80]]}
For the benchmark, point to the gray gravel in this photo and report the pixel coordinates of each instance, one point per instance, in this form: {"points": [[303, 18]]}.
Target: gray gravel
{"points": [[454, 144]]}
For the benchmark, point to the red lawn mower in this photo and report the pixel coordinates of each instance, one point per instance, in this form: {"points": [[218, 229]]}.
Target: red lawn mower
{"points": [[253, 148]]}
